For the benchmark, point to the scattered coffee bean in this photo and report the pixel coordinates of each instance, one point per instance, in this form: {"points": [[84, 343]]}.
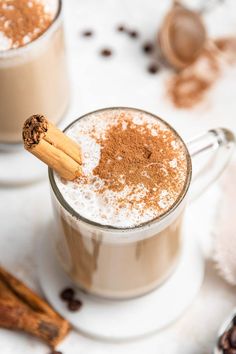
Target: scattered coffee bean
{"points": [[87, 33], [229, 351], [74, 305], [121, 28], [106, 52], [234, 320], [148, 47], [67, 294], [153, 68], [232, 337], [133, 34]]}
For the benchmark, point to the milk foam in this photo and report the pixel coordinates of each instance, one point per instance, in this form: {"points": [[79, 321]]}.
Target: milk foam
{"points": [[51, 7], [103, 208], [5, 42]]}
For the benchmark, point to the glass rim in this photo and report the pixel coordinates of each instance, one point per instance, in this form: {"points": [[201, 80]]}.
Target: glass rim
{"points": [[141, 226], [16, 51]]}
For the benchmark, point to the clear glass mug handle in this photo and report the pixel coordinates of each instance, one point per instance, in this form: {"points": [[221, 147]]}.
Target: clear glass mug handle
{"points": [[219, 145]]}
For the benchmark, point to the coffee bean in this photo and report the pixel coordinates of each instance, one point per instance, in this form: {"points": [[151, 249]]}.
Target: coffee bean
{"points": [[229, 351], [67, 294], [120, 28], [87, 33], [234, 320], [106, 52], [232, 337], [74, 305], [224, 341], [148, 47], [153, 68], [133, 34]]}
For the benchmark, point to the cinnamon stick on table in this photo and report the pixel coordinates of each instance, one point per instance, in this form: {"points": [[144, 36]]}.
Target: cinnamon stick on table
{"points": [[52, 146], [22, 309]]}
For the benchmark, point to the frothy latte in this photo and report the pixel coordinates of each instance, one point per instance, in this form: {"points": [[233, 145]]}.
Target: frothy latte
{"points": [[134, 168]]}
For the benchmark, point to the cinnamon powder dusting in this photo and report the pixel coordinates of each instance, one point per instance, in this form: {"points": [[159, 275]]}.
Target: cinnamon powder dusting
{"points": [[190, 86], [144, 159], [22, 21], [227, 48]]}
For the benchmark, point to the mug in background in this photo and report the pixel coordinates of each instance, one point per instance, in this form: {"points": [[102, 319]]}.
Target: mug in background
{"points": [[120, 263], [33, 79]]}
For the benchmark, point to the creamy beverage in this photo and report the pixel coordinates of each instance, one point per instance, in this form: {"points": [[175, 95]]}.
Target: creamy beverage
{"points": [[119, 224], [33, 72]]}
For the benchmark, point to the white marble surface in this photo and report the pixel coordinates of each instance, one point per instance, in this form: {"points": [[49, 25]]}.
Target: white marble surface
{"points": [[121, 80]]}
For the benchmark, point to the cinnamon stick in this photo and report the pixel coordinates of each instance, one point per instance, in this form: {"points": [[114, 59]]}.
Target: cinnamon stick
{"points": [[22, 309], [52, 146]]}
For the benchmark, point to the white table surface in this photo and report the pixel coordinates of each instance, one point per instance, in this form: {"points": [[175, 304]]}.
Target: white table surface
{"points": [[121, 80]]}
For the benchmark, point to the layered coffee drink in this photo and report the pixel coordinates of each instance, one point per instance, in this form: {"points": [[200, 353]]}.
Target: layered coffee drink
{"points": [[33, 73], [119, 223]]}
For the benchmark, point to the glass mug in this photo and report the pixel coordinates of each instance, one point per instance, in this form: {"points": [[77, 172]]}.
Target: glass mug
{"points": [[33, 78], [120, 263]]}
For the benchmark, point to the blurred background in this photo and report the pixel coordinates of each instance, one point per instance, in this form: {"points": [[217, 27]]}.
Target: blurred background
{"points": [[123, 77]]}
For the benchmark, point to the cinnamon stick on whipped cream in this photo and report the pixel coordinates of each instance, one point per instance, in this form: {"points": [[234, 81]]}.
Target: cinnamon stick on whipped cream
{"points": [[52, 146]]}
